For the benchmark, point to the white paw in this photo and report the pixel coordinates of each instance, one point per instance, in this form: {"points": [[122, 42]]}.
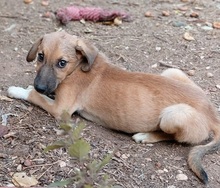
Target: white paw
{"points": [[30, 87], [19, 92], [140, 137]]}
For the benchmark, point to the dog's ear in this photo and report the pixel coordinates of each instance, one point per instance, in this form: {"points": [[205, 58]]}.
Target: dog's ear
{"points": [[89, 52], [33, 51]]}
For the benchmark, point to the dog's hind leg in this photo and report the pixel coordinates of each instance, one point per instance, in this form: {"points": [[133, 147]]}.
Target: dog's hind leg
{"points": [[185, 123], [179, 122]]}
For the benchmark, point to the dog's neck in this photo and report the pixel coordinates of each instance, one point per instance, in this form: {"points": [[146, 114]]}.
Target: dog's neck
{"points": [[102, 63]]}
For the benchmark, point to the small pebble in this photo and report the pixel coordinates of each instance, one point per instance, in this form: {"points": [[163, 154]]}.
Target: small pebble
{"points": [[165, 170], [217, 86], [207, 28], [117, 21], [158, 164], [165, 13], [118, 154], [198, 8], [184, 8], [188, 27], [149, 145], [171, 186], [27, 1], [27, 162], [39, 161], [216, 25], [44, 2], [207, 68], [194, 15], [154, 65], [148, 14], [125, 156], [160, 171], [158, 48], [148, 159], [181, 177], [187, 36], [19, 168], [179, 24], [191, 72], [209, 74], [62, 164], [152, 177], [96, 155]]}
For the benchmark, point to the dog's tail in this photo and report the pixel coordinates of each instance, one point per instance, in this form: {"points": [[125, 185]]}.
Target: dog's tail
{"points": [[198, 152]]}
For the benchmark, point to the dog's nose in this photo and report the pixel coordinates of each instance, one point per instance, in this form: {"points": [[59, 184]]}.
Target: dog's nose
{"points": [[40, 88]]}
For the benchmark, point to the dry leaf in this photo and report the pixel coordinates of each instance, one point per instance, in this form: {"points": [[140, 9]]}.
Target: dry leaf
{"points": [[188, 37], [22, 180]]}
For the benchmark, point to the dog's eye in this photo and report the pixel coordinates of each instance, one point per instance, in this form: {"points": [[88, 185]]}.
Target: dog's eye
{"points": [[62, 63], [40, 57]]}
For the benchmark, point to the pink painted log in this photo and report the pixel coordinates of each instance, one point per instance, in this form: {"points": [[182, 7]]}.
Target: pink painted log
{"points": [[95, 14]]}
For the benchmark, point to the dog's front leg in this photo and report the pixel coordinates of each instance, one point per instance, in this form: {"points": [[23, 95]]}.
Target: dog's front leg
{"points": [[31, 95]]}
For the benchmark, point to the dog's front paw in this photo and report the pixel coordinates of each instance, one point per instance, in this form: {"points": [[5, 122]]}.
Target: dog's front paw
{"points": [[19, 92]]}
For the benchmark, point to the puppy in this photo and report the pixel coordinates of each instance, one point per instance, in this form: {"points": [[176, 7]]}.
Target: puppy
{"points": [[156, 107]]}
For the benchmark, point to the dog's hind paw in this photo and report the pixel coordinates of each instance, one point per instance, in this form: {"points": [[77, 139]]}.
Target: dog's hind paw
{"points": [[19, 92], [152, 137], [140, 137]]}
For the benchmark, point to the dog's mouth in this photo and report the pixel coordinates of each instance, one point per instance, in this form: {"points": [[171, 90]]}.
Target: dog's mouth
{"points": [[52, 95], [45, 90]]}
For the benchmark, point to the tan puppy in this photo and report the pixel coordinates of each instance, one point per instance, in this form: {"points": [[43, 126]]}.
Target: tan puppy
{"points": [[156, 107]]}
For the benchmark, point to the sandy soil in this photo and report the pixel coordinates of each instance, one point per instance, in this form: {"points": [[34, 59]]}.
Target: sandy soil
{"points": [[147, 44]]}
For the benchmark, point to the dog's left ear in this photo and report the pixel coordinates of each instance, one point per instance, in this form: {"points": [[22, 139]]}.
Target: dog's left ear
{"points": [[89, 52], [33, 51]]}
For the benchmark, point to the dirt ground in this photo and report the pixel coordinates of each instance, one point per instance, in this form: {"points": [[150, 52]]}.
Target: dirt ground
{"points": [[146, 44]]}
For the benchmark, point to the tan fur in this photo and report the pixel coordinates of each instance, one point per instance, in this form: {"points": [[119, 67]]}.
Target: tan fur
{"points": [[170, 104]]}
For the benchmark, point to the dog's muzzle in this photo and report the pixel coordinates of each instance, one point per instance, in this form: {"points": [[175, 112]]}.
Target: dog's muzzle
{"points": [[45, 81]]}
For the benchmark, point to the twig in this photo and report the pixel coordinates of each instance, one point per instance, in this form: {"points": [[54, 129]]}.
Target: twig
{"points": [[51, 164], [43, 173], [13, 17], [162, 64]]}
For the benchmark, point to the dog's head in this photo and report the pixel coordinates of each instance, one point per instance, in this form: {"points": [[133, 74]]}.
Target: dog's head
{"points": [[58, 55]]}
